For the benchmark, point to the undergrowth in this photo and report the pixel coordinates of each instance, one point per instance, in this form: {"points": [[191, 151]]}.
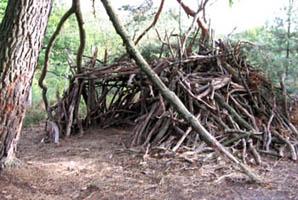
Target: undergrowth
{"points": [[34, 115]]}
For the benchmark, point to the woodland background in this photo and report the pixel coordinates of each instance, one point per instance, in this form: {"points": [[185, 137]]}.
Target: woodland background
{"points": [[273, 48]]}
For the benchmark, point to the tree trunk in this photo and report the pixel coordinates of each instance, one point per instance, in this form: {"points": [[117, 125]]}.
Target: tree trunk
{"points": [[21, 34], [289, 21]]}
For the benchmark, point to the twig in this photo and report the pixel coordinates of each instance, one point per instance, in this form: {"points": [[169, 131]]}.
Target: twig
{"points": [[153, 23], [244, 151], [188, 32], [254, 152], [189, 129]]}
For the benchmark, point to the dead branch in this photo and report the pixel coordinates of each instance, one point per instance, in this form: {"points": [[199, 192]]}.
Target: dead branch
{"points": [[153, 23], [190, 12]]}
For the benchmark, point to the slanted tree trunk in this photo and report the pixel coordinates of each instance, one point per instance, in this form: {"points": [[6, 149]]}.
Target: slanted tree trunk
{"points": [[171, 96], [21, 34]]}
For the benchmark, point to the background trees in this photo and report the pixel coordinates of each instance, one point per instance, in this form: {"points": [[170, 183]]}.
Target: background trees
{"points": [[3, 4], [276, 49]]}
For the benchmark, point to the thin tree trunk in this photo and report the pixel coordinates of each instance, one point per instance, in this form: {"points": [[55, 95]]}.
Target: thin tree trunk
{"points": [[169, 95], [21, 34]]}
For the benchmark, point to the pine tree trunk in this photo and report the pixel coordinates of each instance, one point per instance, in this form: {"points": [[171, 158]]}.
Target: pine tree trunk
{"points": [[21, 34]]}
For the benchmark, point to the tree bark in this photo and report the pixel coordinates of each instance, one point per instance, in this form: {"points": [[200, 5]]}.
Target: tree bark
{"points": [[171, 96], [21, 34]]}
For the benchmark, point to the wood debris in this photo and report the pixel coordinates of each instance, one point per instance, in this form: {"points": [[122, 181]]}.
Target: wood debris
{"points": [[234, 101]]}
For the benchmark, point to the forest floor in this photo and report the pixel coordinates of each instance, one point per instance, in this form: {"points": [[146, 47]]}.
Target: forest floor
{"points": [[97, 166]]}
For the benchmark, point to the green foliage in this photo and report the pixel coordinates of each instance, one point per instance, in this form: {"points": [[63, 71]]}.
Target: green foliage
{"points": [[3, 4], [231, 3], [99, 33], [277, 47], [138, 16]]}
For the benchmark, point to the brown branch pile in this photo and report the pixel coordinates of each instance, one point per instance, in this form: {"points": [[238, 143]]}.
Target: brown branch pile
{"points": [[231, 99]]}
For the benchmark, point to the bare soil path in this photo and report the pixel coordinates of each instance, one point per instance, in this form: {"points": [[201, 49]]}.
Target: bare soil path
{"points": [[97, 166]]}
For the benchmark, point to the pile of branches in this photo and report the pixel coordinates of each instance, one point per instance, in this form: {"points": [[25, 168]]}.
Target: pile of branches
{"points": [[235, 102], [213, 90]]}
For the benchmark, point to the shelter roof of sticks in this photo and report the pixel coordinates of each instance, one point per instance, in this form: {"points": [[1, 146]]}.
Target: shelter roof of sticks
{"points": [[235, 102]]}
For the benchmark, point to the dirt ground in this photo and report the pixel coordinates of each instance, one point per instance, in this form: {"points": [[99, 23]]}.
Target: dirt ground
{"points": [[97, 166]]}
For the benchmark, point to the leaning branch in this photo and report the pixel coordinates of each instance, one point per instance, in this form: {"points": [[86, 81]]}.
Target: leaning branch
{"points": [[171, 96]]}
